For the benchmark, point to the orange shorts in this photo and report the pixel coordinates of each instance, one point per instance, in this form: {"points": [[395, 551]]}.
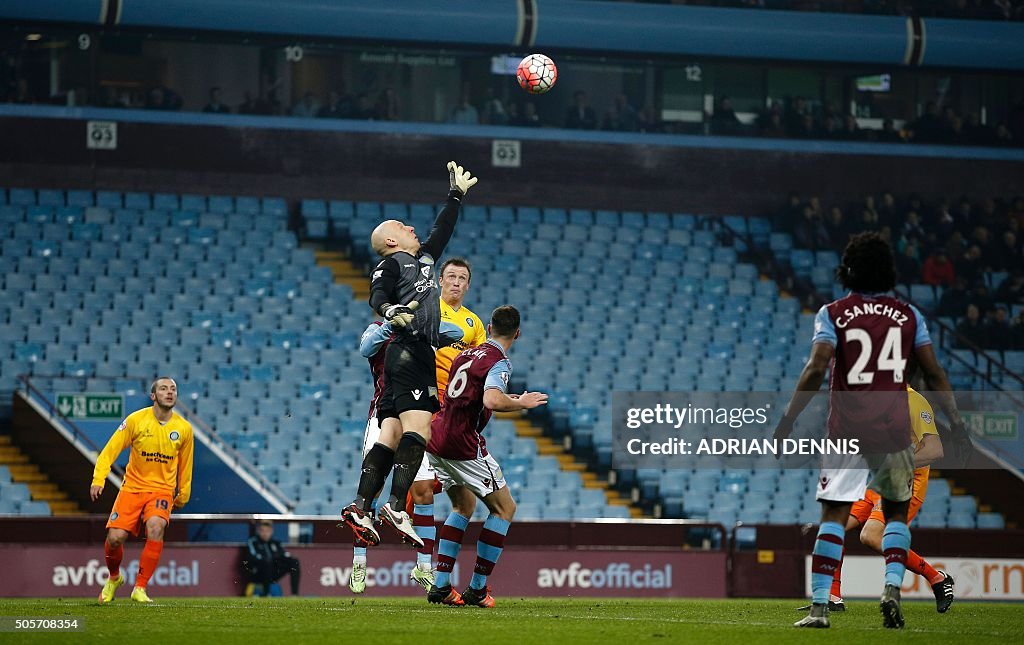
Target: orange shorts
{"points": [[132, 509], [870, 507]]}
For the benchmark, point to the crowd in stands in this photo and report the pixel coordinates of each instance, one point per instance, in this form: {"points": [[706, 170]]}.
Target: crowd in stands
{"points": [[797, 119], [962, 9], [970, 252]]}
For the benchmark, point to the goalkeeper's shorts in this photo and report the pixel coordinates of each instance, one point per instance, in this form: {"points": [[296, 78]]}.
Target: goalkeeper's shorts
{"points": [[410, 378]]}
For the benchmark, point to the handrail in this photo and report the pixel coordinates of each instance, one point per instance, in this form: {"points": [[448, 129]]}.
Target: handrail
{"points": [[77, 433], [241, 461]]}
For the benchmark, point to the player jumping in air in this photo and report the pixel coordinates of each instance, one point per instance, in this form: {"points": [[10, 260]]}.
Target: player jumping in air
{"points": [[867, 512], [868, 337], [461, 324], [160, 462], [477, 387], [404, 292]]}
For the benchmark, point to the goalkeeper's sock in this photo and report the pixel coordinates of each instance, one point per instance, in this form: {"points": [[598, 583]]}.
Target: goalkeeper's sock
{"points": [[423, 522], [895, 544], [828, 551], [488, 549], [448, 546], [920, 566], [376, 466], [836, 590], [408, 458]]}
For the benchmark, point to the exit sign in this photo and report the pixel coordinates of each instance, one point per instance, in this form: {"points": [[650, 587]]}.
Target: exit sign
{"points": [[91, 406]]}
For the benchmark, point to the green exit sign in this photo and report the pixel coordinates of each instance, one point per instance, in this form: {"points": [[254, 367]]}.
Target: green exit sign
{"points": [[992, 425], [91, 406]]}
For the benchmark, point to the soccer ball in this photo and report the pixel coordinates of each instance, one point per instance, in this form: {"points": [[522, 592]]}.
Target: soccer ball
{"points": [[536, 73]]}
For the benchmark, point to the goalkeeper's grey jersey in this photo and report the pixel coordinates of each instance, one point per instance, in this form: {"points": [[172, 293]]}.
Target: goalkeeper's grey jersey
{"points": [[416, 281]]}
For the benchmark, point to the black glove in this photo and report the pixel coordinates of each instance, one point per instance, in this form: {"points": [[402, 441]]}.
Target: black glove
{"points": [[960, 446]]}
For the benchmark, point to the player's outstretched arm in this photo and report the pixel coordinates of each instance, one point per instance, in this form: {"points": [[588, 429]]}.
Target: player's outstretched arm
{"points": [[460, 181], [811, 378], [498, 401]]}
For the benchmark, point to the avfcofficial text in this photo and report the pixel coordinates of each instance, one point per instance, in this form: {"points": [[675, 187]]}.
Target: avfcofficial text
{"points": [[875, 308], [617, 575]]}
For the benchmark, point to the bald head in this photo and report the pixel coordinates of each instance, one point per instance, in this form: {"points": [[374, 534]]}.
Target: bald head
{"points": [[392, 236]]}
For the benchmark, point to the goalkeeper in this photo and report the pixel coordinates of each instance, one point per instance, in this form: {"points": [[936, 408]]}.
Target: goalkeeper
{"points": [[404, 291]]}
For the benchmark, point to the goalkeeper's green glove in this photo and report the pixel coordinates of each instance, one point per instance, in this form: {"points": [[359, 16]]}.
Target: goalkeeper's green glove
{"points": [[460, 179], [399, 316]]}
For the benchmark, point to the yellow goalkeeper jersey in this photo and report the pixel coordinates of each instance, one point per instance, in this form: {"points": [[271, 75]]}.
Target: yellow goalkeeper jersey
{"points": [[160, 459], [473, 334]]}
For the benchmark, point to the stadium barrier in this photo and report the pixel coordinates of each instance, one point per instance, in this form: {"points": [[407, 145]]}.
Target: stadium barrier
{"points": [[47, 556], [591, 559]]}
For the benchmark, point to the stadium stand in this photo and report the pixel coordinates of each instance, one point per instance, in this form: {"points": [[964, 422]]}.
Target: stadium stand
{"points": [[216, 290], [261, 340]]}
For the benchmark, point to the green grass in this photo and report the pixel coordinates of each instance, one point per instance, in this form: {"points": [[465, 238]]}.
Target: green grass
{"points": [[225, 621]]}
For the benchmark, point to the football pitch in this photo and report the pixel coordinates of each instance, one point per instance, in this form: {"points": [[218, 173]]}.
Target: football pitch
{"points": [[224, 621]]}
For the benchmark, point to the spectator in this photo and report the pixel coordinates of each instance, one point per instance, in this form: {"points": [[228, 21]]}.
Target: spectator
{"points": [[270, 104], [308, 107], [163, 98], [1017, 332], [810, 232], [1003, 136], [493, 110], [796, 118], [386, 107], [339, 106], [806, 129], [648, 120], [580, 116], [364, 109], [724, 120], [908, 265], [971, 265], [851, 130], [1011, 291], [927, 128], [838, 229], [515, 117], [22, 93], [977, 133], [997, 330], [215, 106], [621, 116], [530, 117], [970, 330], [912, 228], [464, 113], [889, 133], [954, 245], [265, 562], [830, 128], [773, 127], [954, 299], [938, 271], [887, 210], [249, 105]]}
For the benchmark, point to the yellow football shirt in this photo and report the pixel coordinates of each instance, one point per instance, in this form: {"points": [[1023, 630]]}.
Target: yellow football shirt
{"points": [[922, 421], [473, 334], [160, 459]]}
